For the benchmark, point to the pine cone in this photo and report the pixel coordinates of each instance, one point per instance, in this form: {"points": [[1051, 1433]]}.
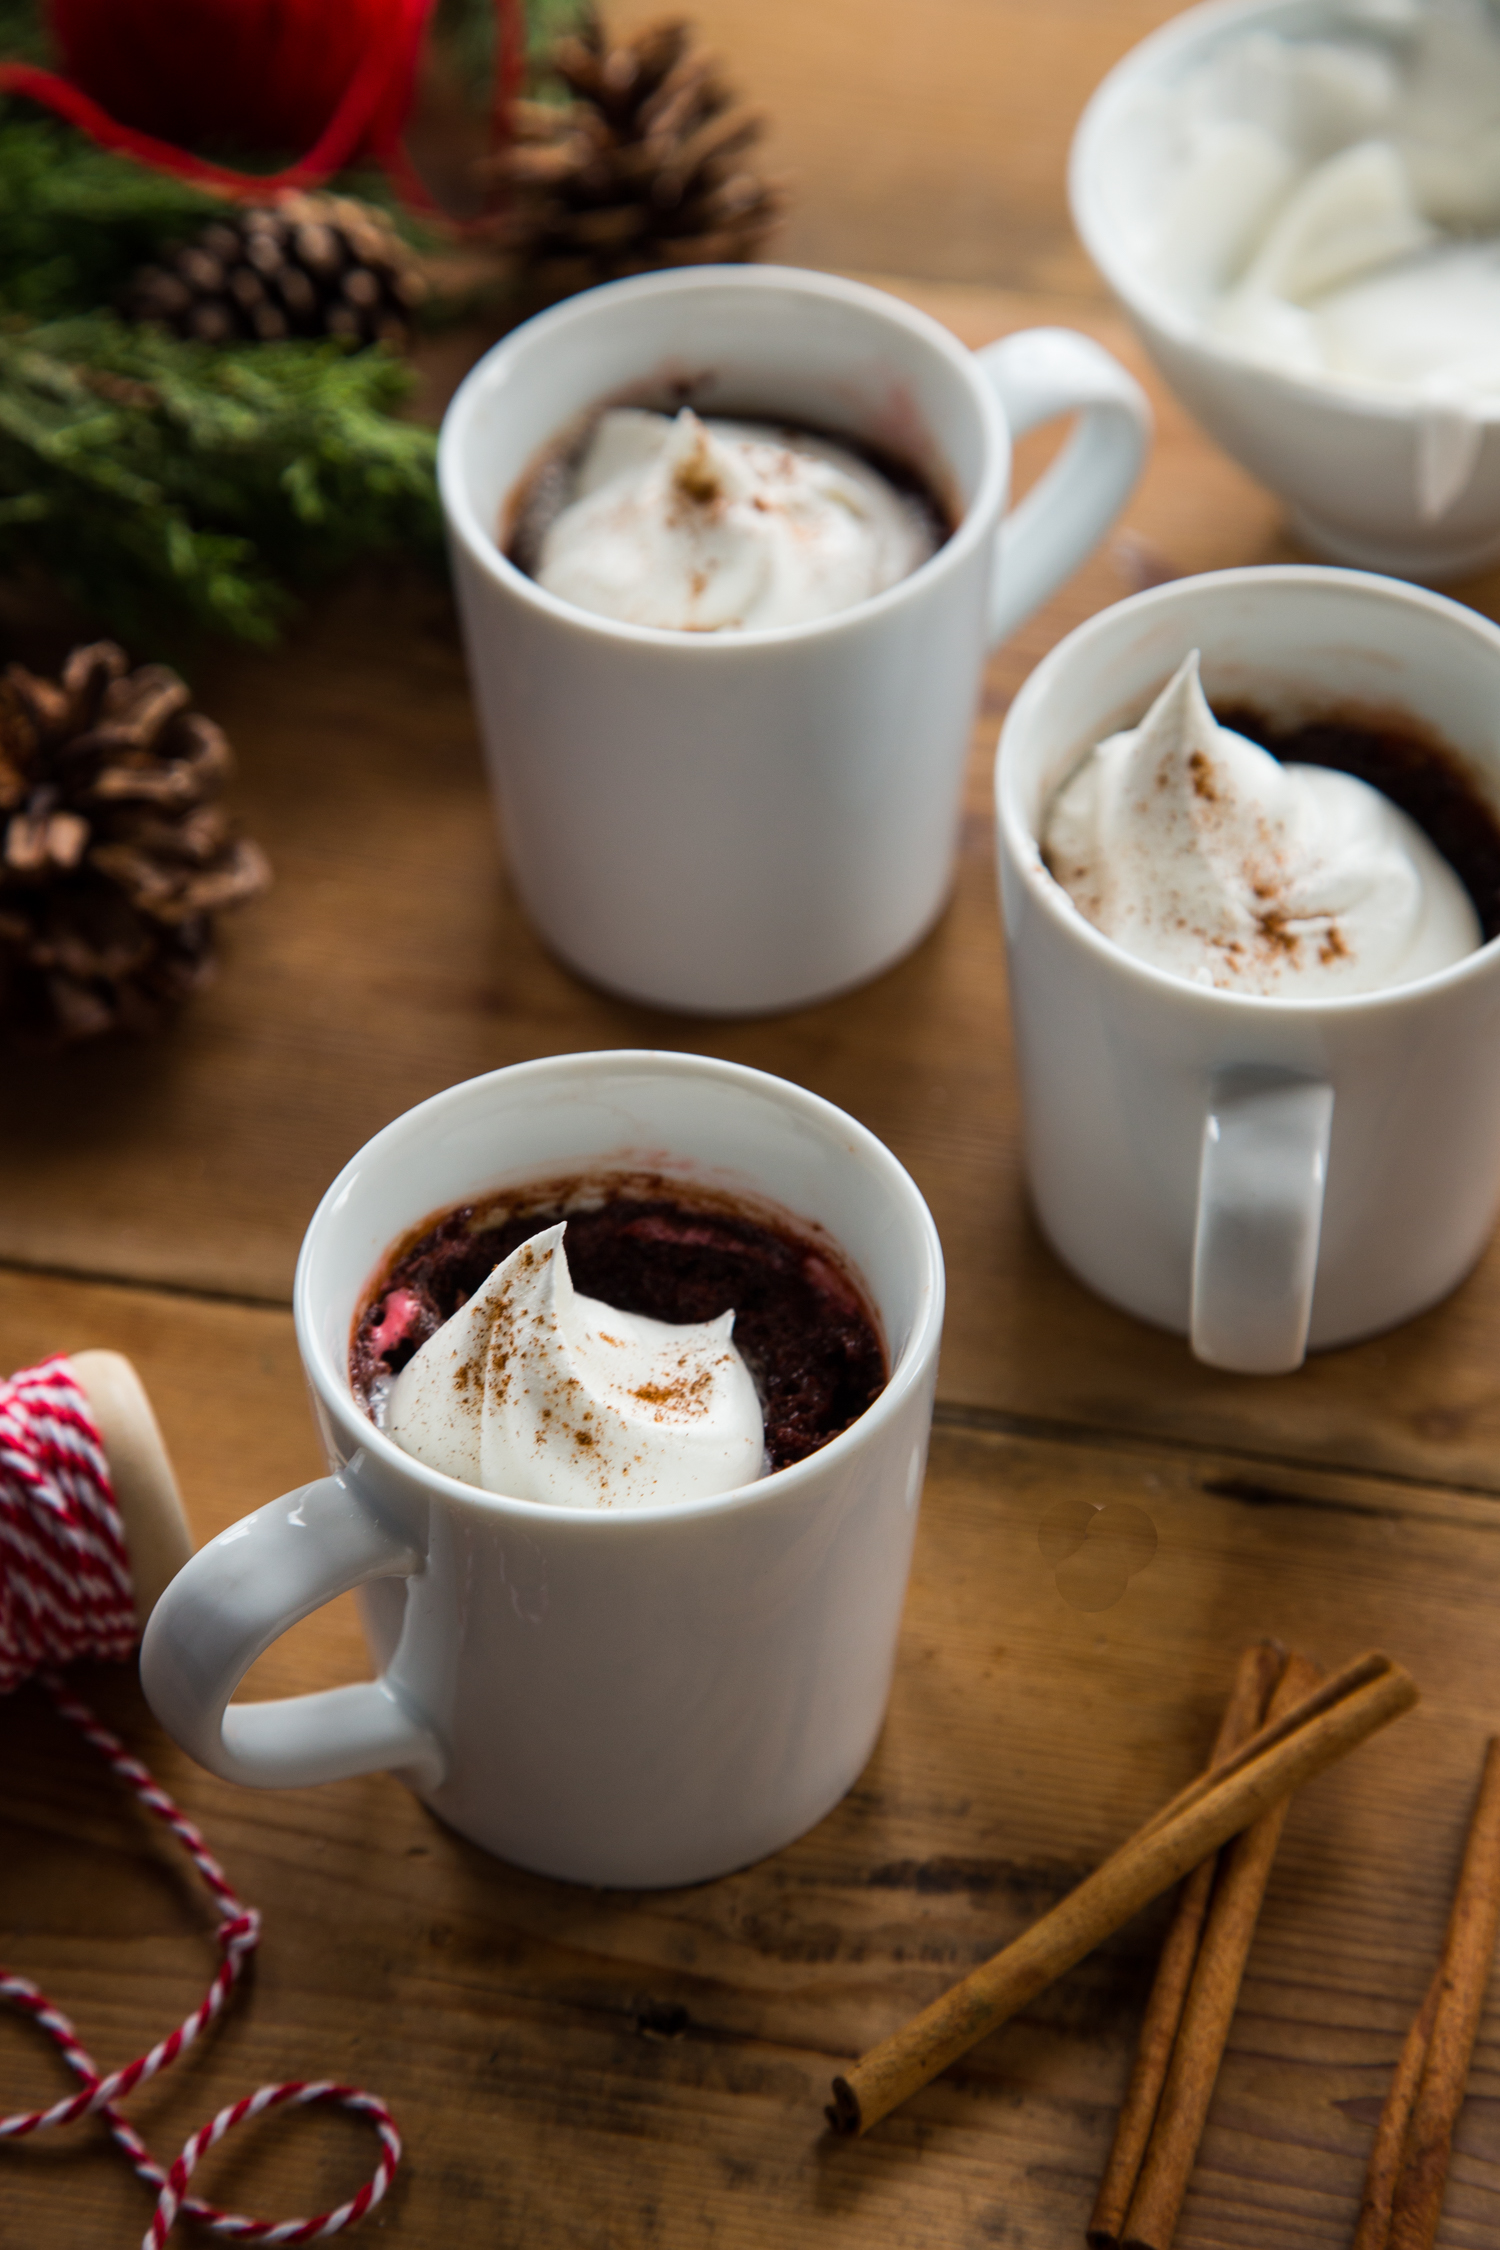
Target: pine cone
{"points": [[114, 855], [644, 167], [308, 265]]}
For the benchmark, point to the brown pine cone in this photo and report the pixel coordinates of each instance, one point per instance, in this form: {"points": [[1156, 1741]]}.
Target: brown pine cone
{"points": [[307, 265], [644, 167], [114, 854]]}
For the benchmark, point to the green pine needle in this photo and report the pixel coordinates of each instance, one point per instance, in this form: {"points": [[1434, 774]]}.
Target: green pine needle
{"points": [[155, 478], [76, 221], [164, 483], [24, 36]]}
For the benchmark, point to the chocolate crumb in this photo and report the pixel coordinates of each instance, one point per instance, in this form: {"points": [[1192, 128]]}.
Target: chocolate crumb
{"points": [[1201, 769], [696, 478], [1276, 930]]}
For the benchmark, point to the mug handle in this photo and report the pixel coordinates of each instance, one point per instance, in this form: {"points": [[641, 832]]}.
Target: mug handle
{"points": [[243, 1591], [1038, 373], [1260, 1211]]}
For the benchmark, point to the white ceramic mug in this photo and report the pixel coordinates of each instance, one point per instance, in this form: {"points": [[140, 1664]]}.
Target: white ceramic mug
{"points": [[638, 1697], [743, 821], [1265, 1175]]}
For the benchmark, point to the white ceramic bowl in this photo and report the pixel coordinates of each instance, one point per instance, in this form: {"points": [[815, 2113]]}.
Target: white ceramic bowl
{"points": [[1349, 465]]}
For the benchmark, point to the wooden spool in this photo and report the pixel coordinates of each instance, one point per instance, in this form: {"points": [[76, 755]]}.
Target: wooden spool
{"points": [[156, 1531]]}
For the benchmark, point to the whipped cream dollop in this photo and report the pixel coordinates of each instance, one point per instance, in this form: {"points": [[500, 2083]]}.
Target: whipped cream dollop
{"points": [[536, 1392], [1195, 850], [1331, 206], [713, 526]]}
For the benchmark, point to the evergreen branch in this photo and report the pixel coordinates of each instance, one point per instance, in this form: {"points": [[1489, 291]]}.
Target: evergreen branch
{"points": [[151, 476], [161, 481], [75, 221]]}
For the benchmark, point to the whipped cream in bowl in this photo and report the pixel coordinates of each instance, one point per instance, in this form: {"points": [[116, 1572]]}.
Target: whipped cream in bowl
{"points": [[1195, 850], [717, 525], [537, 1392], [1298, 202], [1327, 202]]}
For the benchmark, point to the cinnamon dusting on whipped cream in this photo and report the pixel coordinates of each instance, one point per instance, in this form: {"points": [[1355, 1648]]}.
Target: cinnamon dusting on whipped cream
{"points": [[1193, 849], [534, 1391], [719, 526]]}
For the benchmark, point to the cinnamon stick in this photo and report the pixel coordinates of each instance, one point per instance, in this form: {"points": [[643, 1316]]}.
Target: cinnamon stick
{"points": [[1417, 2203], [1374, 2229], [1147, 1865], [1209, 2008], [1335, 1689], [1243, 1715]]}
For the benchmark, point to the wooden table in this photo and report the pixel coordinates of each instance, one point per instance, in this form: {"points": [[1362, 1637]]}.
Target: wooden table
{"points": [[647, 2073]]}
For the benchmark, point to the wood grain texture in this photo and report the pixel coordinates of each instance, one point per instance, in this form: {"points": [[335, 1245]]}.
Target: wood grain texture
{"points": [[648, 2071], [576, 2069]]}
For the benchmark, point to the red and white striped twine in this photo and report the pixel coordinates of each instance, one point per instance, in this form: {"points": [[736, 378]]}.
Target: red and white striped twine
{"points": [[65, 1592]]}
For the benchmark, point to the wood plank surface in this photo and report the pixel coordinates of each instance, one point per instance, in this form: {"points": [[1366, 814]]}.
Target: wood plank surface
{"points": [[577, 2070], [647, 2072]]}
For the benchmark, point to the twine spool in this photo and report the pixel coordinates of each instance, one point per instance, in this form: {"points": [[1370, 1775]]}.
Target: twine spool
{"points": [[86, 1491]]}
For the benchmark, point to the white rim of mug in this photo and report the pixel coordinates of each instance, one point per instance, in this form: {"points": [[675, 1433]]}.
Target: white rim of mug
{"points": [[980, 518], [333, 1387], [1154, 60], [1025, 845]]}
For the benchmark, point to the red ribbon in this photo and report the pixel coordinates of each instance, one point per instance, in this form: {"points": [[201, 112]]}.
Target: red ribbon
{"points": [[368, 119]]}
